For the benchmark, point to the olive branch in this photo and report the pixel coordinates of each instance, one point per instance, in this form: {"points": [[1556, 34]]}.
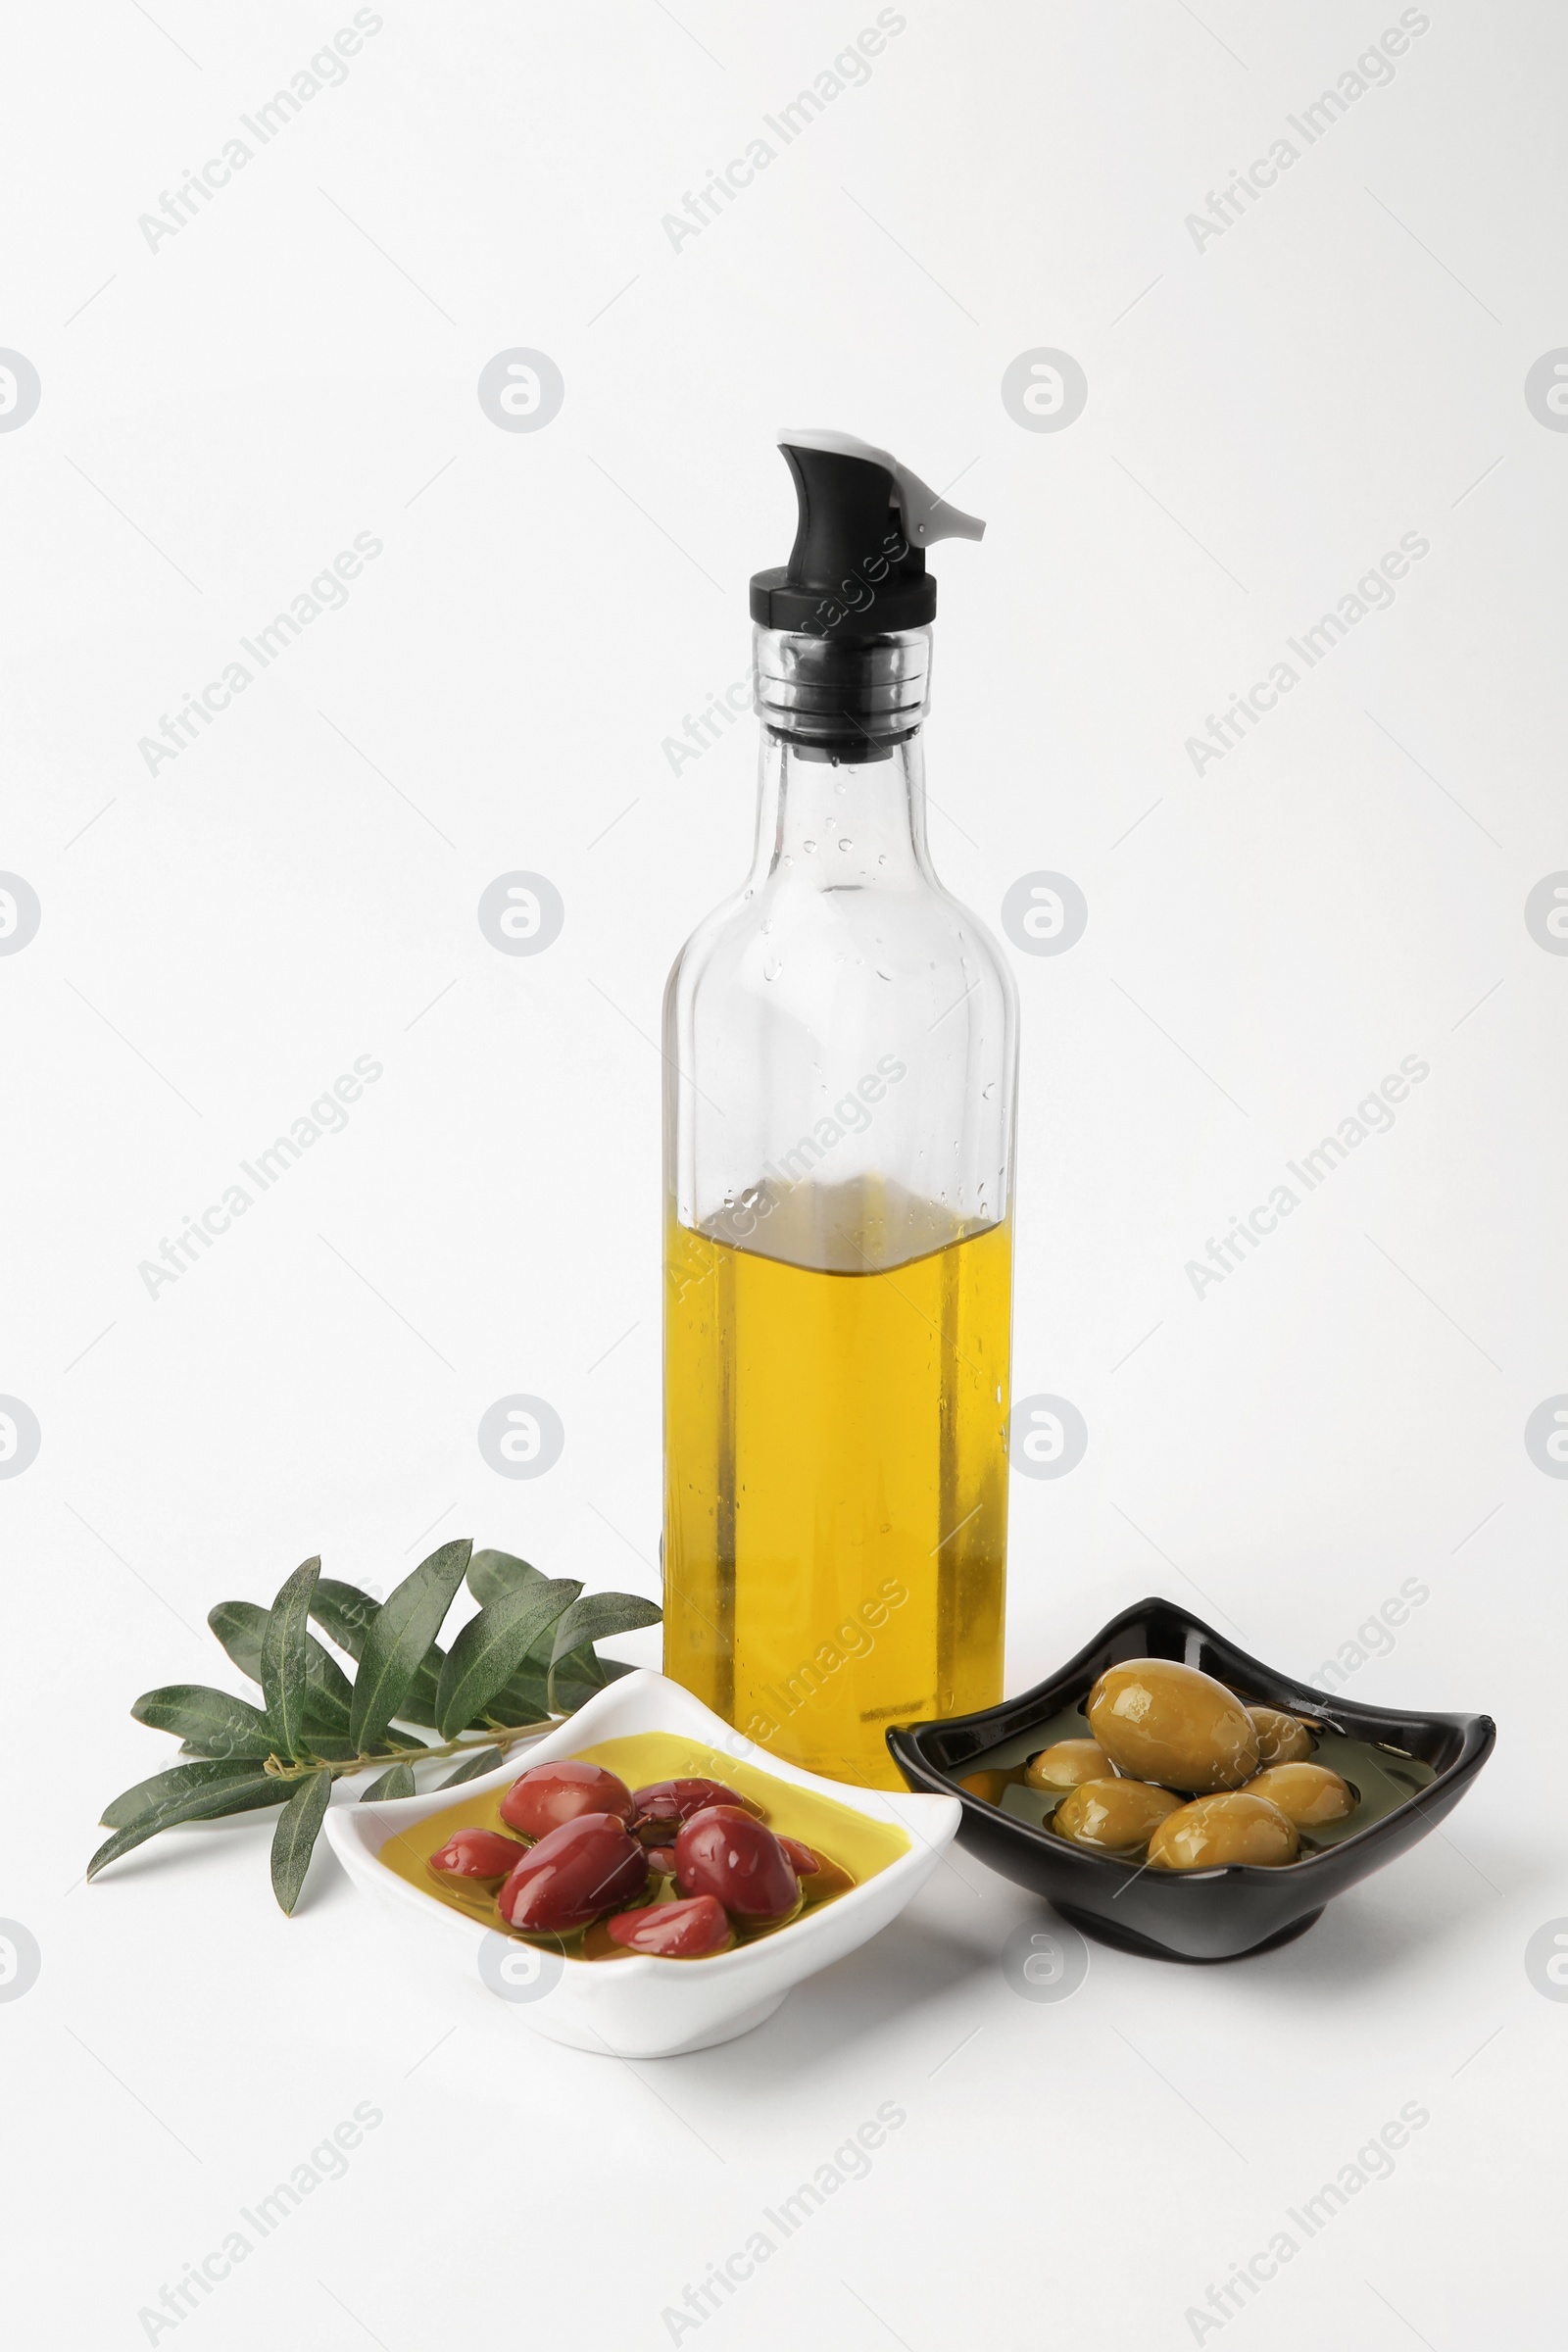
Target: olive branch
{"points": [[524, 1663]]}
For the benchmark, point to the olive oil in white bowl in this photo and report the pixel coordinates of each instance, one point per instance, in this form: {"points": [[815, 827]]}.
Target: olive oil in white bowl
{"points": [[642, 2006]]}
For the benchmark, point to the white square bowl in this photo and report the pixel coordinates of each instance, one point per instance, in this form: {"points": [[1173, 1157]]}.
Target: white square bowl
{"points": [[643, 2007]]}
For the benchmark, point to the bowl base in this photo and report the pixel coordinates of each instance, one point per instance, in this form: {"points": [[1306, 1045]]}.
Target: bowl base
{"points": [[1128, 1939], [578, 2033]]}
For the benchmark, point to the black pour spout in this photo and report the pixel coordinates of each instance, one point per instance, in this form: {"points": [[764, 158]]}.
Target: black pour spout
{"points": [[857, 568]]}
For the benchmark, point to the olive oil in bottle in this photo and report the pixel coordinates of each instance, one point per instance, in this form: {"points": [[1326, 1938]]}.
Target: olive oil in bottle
{"points": [[840, 1047], [836, 1514]]}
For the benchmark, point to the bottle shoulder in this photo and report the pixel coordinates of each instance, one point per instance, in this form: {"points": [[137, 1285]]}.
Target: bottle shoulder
{"points": [[912, 924]]}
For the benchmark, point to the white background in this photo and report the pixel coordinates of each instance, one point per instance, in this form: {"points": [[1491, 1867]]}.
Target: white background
{"points": [[1266, 415]]}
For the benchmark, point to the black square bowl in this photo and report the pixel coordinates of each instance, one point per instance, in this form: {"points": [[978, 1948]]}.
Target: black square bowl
{"points": [[1201, 1914]]}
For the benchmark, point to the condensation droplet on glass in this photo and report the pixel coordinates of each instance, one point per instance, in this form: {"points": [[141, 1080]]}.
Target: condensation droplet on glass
{"points": [[846, 843], [773, 969], [985, 1092], [882, 975], [810, 848]]}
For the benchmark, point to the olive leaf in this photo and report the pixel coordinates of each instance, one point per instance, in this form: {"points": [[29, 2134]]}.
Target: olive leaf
{"points": [[402, 1631], [491, 1573], [573, 1662], [345, 1615], [482, 1760], [240, 1625], [284, 1656], [555, 1682], [490, 1648], [397, 1780], [598, 1616], [525, 1697], [188, 1780], [215, 1721], [579, 1677], [195, 1801], [295, 1836]]}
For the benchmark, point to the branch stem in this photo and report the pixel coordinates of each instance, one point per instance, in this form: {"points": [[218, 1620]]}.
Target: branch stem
{"points": [[501, 1736]]}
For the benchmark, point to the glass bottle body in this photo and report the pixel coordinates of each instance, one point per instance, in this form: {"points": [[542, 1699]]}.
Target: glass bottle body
{"points": [[840, 1045]]}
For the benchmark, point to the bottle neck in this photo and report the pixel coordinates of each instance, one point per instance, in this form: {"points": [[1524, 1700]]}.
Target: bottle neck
{"points": [[841, 803], [849, 698], [835, 825]]}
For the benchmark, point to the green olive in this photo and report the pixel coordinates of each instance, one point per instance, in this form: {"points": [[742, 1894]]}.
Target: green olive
{"points": [[1306, 1794], [1281, 1739], [1164, 1721], [1215, 1830], [1116, 1816], [1066, 1763]]}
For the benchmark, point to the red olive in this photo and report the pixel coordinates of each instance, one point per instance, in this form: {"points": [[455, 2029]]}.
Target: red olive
{"points": [[685, 1930], [726, 1852], [550, 1793], [663, 1806], [574, 1873], [806, 1864], [477, 1854]]}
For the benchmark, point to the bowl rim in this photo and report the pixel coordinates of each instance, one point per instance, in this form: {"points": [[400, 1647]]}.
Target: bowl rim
{"points": [[928, 1819], [1477, 1739]]}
